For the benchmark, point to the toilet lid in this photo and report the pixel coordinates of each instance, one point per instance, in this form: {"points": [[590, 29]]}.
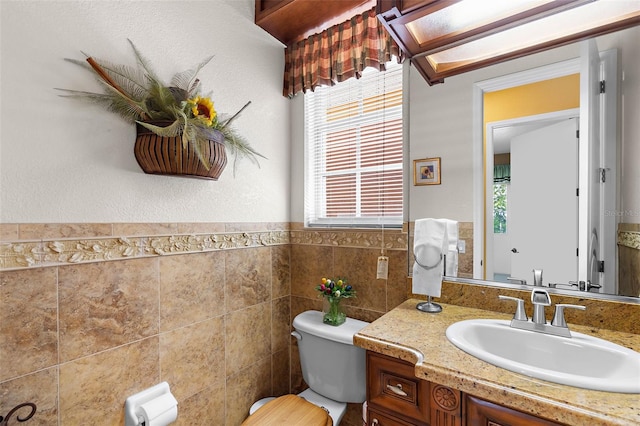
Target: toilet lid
{"points": [[290, 410]]}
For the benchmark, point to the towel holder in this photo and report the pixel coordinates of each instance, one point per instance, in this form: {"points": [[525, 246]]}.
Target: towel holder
{"points": [[425, 266]]}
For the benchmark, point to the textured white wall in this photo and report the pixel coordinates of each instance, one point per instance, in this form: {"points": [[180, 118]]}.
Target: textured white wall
{"points": [[62, 160]]}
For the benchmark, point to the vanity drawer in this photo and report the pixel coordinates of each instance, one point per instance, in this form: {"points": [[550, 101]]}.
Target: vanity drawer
{"points": [[377, 418], [392, 385]]}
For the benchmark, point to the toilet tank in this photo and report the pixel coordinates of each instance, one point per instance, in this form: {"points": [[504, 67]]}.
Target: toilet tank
{"points": [[331, 365]]}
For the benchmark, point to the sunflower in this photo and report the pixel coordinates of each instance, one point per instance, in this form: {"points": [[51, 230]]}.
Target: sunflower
{"points": [[203, 108]]}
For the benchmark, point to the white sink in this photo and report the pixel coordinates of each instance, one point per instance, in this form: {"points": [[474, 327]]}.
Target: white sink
{"points": [[582, 361]]}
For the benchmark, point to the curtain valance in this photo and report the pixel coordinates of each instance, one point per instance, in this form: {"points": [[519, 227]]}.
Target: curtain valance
{"points": [[502, 173], [338, 53]]}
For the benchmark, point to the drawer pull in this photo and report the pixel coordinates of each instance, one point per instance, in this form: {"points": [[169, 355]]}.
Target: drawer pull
{"points": [[375, 422], [397, 389]]}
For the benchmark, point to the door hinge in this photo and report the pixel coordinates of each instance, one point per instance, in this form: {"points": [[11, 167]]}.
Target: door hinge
{"points": [[577, 134], [577, 192], [577, 252], [601, 266], [602, 86]]}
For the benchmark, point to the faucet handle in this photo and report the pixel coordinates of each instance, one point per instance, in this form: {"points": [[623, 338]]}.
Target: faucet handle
{"points": [[558, 316], [520, 314]]}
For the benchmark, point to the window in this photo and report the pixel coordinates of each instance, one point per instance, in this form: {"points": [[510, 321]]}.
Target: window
{"points": [[500, 208], [353, 151], [501, 180]]}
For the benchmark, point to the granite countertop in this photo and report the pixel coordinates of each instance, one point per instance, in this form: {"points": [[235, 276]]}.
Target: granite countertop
{"points": [[419, 338]]}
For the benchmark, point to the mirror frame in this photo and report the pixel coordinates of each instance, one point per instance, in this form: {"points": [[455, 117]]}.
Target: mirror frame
{"points": [[397, 15]]}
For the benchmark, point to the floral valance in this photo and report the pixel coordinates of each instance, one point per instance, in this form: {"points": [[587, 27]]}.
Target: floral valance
{"points": [[338, 53]]}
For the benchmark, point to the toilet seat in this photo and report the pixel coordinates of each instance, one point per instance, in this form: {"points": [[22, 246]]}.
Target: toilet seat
{"points": [[290, 410]]}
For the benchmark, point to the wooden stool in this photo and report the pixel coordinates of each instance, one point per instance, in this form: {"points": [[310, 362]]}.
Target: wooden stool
{"points": [[290, 410]]}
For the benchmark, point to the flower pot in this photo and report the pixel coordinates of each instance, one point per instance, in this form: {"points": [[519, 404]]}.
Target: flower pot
{"points": [[160, 155], [333, 313]]}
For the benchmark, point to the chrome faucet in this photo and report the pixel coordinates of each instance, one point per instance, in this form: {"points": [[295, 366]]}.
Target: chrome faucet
{"points": [[537, 277], [540, 299]]}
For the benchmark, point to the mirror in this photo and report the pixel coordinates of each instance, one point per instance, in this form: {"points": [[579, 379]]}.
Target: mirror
{"points": [[444, 124]]}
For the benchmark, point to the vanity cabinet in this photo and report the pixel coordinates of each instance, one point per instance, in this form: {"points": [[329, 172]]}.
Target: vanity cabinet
{"points": [[396, 397]]}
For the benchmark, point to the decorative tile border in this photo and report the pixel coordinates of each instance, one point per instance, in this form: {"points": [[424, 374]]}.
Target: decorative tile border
{"points": [[29, 254], [629, 239], [393, 240]]}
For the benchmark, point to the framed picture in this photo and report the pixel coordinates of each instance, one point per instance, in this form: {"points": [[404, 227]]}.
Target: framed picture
{"points": [[426, 171]]}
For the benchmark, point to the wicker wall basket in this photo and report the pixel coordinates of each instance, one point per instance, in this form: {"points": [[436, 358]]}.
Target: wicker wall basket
{"points": [[166, 156]]}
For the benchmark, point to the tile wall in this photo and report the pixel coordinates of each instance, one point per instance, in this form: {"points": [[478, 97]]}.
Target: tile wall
{"points": [[81, 332], [92, 313]]}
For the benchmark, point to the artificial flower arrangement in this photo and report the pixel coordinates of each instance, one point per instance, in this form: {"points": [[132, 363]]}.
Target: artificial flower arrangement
{"points": [[333, 291], [138, 95]]}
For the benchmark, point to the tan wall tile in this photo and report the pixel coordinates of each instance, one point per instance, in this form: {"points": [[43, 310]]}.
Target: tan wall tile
{"points": [[132, 229], [191, 288], [103, 305], [246, 387], [281, 372], [40, 388], [280, 271], [302, 304], [247, 277], [397, 279], [280, 324], [9, 232], [200, 228], [28, 321], [308, 265], [205, 408], [297, 380], [359, 267], [192, 358], [37, 231], [94, 389], [244, 227], [629, 271], [258, 226], [248, 337]]}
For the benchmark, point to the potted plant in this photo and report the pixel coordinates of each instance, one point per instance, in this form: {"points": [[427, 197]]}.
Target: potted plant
{"points": [[179, 130]]}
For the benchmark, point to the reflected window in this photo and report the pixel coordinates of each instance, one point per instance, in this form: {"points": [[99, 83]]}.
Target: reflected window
{"points": [[500, 195]]}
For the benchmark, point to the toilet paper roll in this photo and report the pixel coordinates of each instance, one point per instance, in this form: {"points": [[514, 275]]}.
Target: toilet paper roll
{"points": [[160, 411]]}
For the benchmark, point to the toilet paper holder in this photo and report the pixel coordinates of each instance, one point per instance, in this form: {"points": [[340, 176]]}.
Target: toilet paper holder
{"points": [[132, 413]]}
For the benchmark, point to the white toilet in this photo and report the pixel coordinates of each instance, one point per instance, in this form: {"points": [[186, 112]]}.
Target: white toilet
{"points": [[332, 366]]}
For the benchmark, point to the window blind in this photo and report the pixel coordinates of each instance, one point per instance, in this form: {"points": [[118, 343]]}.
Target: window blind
{"points": [[353, 151]]}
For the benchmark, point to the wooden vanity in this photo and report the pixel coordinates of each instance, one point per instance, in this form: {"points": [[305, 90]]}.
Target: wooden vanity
{"points": [[415, 376]]}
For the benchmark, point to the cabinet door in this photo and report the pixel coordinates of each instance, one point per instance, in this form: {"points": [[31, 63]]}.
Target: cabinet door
{"points": [[376, 418], [483, 413]]}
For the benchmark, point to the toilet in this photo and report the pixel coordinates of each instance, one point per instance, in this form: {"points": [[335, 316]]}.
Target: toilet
{"points": [[332, 366]]}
